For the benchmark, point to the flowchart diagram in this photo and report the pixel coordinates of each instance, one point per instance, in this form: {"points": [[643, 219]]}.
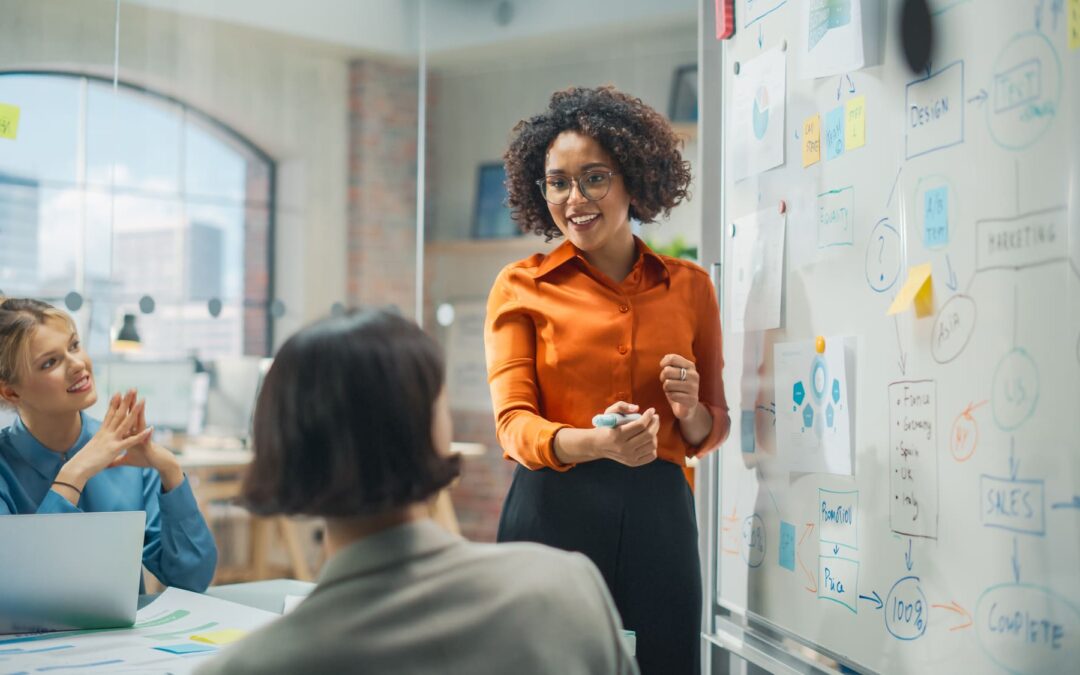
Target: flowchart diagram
{"points": [[997, 441]]}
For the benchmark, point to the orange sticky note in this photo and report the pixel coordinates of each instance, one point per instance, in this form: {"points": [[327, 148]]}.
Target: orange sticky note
{"points": [[855, 123], [811, 141], [220, 637], [9, 121], [917, 290]]}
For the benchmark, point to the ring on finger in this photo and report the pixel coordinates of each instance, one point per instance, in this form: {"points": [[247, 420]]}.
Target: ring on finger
{"points": [[682, 374]]}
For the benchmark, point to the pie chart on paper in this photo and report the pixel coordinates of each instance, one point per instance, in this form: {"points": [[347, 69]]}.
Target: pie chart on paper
{"points": [[761, 112]]}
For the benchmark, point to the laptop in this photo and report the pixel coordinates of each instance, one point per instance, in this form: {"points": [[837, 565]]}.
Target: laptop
{"points": [[65, 571]]}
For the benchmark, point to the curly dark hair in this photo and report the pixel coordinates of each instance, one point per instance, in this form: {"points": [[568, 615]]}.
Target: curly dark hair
{"points": [[640, 139]]}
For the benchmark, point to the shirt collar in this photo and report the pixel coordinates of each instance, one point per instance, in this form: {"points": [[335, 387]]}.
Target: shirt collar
{"points": [[45, 461], [566, 251], [388, 548]]}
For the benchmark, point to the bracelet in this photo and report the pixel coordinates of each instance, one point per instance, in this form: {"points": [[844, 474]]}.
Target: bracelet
{"points": [[60, 482]]}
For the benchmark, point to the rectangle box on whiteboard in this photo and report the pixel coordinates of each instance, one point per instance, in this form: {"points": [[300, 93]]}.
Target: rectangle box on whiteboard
{"points": [[838, 517], [934, 111], [1023, 241], [836, 218], [1010, 504], [838, 580], [913, 475]]}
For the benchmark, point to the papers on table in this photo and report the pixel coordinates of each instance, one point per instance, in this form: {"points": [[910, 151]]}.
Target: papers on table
{"points": [[159, 642]]}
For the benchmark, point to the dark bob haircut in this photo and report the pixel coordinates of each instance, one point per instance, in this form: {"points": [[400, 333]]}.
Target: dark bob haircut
{"points": [[344, 419], [637, 137]]}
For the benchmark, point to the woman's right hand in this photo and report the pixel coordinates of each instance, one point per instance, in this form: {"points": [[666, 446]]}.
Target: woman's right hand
{"points": [[633, 443], [110, 441]]}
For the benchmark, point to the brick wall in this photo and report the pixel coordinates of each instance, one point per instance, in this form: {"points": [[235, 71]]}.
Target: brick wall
{"points": [[382, 184], [382, 258]]}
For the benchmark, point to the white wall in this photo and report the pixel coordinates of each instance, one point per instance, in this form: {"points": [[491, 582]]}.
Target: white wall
{"points": [[287, 95], [477, 105]]}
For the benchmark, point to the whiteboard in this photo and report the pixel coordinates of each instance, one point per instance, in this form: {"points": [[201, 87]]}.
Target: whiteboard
{"points": [[955, 544]]}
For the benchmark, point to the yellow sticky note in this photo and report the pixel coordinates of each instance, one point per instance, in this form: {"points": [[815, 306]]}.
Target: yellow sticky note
{"points": [[1074, 24], [855, 122], [811, 141], [9, 121], [220, 637], [917, 290]]}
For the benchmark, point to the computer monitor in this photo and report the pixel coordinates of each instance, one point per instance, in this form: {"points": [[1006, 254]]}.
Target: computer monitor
{"points": [[166, 386], [234, 384]]}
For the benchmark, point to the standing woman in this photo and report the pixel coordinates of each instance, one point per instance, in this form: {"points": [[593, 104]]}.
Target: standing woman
{"points": [[604, 324], [56, 459]]}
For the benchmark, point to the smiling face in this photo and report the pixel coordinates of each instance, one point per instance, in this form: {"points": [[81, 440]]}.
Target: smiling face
{"points": [[592, 226], [59, 377]]}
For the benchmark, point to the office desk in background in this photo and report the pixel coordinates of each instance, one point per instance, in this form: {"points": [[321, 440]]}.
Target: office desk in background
{"points": [[216, 475]]}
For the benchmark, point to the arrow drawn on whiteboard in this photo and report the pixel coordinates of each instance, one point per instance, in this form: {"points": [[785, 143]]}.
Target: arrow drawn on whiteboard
{"points": [[979, 98], [951, 280], [760, 36], [875, 598], [895, 181], [851, 85], [955, 607], [1016, 560], [902, 361], [1014, 463], [1074, 504], [812, 587], [908, 561]]}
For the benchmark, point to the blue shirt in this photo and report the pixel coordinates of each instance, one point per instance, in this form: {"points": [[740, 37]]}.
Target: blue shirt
{"points": [[178, 547]]}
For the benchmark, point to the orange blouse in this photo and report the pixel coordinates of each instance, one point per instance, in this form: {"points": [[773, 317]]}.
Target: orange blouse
{"points": [[564, 342]]}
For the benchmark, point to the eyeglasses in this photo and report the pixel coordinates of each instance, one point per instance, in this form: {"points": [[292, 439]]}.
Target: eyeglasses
{"points": [[593, 185]]}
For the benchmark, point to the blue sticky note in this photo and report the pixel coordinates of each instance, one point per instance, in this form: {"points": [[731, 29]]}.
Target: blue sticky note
{"points": [[746, 428], [787, 545], [186, 648], [834, 133], [936, 217]]}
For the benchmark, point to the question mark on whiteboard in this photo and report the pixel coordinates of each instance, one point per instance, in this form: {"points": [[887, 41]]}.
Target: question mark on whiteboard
{"points": [[881, 251]]}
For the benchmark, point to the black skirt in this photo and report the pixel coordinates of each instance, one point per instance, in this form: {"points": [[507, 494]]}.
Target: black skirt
{"points": [[638, 526]]}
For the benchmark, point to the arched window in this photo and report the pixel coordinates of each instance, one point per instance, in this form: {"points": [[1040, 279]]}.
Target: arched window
{"points": [[137, 204]]}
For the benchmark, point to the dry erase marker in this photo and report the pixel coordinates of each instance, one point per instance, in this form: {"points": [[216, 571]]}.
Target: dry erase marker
{"points": [[613, 419]]}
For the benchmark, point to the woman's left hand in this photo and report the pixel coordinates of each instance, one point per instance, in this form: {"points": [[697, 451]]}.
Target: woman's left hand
{"points": [[151, 455], [680, 380]]}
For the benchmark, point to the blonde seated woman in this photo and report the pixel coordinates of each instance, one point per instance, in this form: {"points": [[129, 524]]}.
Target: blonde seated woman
{"points": [[56, 459], [352, 424]]}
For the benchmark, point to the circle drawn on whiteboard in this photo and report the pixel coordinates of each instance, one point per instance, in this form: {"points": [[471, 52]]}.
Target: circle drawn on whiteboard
{"points": [[753, 541], [761, 112], [953, 327], [214, 307], [883, 256], [1016, 389], [1025, 91], [73, 301]]}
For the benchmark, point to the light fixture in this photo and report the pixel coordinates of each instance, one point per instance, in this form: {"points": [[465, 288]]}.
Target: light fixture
{"points": [[127, 340]]}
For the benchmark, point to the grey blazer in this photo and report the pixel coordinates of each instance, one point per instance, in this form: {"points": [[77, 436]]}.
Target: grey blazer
{"points": [[417, 599]]}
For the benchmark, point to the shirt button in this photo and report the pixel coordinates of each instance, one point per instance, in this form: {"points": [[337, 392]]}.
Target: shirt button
{"points": [[623, 349], [624, 309]]}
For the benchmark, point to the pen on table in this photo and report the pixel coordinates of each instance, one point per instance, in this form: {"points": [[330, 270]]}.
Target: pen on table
{"points": [[613, 419]]}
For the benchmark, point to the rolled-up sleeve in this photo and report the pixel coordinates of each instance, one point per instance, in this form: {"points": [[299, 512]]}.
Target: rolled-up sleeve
{"points": [[179, 548], [709, 357], [510, 348]]}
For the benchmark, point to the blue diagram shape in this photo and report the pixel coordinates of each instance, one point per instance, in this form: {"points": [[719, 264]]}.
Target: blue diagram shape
{"points": [[829, 415], [799, 393], [761, 113], [825, 15], [819, 379], [808, 416], [836, 391]]}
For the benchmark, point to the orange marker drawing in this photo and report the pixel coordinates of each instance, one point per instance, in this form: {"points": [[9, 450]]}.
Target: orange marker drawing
{"points": [[964, 438], [954, 607]]}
